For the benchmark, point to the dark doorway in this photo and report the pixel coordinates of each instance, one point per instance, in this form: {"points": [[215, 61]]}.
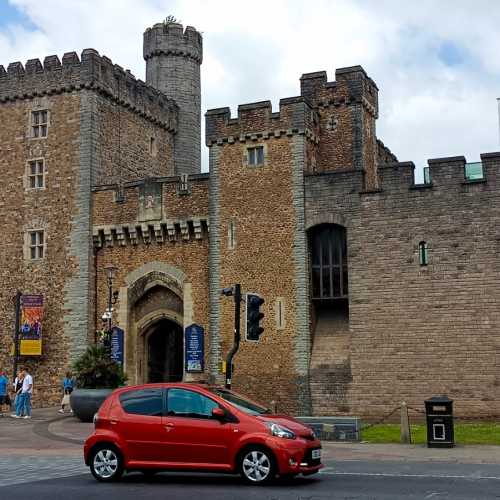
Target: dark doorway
{"points": [[165, 352]]}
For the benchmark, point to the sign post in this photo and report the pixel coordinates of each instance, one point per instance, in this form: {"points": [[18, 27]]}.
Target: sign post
{"points": [[237, 336]]}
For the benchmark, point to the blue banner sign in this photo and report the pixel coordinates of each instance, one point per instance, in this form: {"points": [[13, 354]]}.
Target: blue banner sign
{"points": [[194, 338], [117, 345]]}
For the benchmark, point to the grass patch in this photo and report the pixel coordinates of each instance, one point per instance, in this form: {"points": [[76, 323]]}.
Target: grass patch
{"points": [[480, 433]]}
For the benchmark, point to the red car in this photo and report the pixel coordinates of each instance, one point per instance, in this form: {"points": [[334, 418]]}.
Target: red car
{"points": [[194, 427]]}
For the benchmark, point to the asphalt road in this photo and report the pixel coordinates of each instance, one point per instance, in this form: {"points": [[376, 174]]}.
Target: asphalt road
{"points": [[351, 480]]}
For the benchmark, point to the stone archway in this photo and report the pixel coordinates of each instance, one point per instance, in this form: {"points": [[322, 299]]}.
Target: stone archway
{"points": [[156, 298], [159, 346]]}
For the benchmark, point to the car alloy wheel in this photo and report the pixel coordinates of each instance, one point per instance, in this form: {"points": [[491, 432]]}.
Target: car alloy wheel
{"points": [[106, 464], [257, 466]]}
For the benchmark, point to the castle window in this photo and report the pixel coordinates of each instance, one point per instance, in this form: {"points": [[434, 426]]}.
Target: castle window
{"points": [[39, 123], [280, 313], [422, 253], [256, 156], [231, 235], [36, 174], [153, 150], [184, 184], [36, 244]]}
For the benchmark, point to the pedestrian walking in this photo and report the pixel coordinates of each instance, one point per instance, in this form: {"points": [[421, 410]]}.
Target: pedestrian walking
{"points": [[18, 400], [26, 393], [4, 397], [68, 384]]}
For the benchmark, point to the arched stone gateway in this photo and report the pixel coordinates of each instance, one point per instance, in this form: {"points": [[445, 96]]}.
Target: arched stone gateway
{"points": [[155, 306]]}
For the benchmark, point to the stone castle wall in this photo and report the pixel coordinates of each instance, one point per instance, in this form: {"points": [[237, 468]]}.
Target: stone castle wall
{"points": [[51, 209], [257, 239], [419, 331], [345, 110], [99, 118]]}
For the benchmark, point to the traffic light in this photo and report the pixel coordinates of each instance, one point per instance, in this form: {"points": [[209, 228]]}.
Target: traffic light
{"points": [[254, 316]]}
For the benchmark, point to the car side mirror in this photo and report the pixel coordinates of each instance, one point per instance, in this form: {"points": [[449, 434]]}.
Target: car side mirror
{"points": [[218, 413]]}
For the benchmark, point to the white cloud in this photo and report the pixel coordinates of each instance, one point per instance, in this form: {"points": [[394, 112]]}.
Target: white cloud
{"points": [[258, 50]]}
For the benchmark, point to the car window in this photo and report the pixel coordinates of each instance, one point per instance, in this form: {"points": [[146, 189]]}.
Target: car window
{"points": [[184, 403], [143, 402], [240, 402]]}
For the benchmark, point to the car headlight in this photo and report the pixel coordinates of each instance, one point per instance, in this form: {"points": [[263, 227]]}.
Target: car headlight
{"points": [[280, 431]]}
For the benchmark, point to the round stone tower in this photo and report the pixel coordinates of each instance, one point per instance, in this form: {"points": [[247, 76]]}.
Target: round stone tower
{"points": [[173, 58]]}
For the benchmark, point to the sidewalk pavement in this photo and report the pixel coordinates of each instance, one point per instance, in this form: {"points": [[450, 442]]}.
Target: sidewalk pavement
{"points": [[49, 432]]}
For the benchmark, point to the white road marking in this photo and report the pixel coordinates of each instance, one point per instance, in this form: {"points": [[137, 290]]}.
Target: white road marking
{"points": [[331, 472]]}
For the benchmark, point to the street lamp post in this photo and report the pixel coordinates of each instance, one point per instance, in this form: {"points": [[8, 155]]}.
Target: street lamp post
{"points": [[112, 298]]}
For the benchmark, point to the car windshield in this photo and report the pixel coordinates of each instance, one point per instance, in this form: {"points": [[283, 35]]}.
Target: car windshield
{"points": [[240, 402]]}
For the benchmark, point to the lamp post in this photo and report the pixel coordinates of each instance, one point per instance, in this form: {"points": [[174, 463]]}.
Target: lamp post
{"points": [[112, 298]]}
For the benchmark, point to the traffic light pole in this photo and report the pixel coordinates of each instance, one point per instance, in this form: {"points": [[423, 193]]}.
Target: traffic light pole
{"points": [[237, 336]]}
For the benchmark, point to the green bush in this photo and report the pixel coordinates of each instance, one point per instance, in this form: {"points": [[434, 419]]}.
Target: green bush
{"points": [[95, 370]]}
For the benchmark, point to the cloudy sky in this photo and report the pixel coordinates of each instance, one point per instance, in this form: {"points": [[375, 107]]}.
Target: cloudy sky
{"points": [[436, 62]]}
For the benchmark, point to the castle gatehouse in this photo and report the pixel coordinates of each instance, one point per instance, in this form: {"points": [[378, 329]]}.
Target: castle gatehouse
{"points": [[377, 289]]}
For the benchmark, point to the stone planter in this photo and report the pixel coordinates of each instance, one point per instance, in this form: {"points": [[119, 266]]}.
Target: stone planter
{"points": [[86, 402]]}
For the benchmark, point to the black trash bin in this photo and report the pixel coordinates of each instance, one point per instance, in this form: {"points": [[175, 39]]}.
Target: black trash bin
{"points": [[439, 413]]}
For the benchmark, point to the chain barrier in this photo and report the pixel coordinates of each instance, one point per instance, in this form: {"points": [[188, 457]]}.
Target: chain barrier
{"points": [[416, 410], [383, 419]]}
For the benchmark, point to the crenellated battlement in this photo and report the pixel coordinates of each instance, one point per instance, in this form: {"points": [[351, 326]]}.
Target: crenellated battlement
{"points": [[172, 39], [93, 71], [446, 175], [257, 120], [351, 86]]}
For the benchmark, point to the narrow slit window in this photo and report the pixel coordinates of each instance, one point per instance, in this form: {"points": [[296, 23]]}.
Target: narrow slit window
{"points": [[231, 235], [280, 313], [152, 147], [256, 156], [423, 253]]}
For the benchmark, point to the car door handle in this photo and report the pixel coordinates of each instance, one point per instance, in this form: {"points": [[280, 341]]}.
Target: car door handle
{"points": [[169, 427], [113, 422]]}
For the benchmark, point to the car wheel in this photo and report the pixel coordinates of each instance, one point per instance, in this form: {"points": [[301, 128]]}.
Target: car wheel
{"points": [[257, 466], [106, 463]]}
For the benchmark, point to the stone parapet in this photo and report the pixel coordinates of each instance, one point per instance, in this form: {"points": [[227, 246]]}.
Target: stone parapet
{"points": [[445, 174], [172, 39], [256, 121], [91, 72], [351, 86]]}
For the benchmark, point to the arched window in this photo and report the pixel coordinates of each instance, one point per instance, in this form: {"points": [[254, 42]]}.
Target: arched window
{"points": [[422, 253], [329, 262]]}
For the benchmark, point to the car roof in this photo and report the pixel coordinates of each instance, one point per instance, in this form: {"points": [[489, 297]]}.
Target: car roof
{"points": [[166, 385]]}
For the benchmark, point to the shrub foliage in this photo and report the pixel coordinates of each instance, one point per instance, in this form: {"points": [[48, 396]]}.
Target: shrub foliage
{"points": [[95, 370]]}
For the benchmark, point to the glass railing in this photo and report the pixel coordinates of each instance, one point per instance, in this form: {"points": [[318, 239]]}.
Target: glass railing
{"points": [[427, 175], [473, 171]]}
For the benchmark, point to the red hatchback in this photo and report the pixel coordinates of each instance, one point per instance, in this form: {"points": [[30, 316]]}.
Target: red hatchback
{"points": [[191, 427]]}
